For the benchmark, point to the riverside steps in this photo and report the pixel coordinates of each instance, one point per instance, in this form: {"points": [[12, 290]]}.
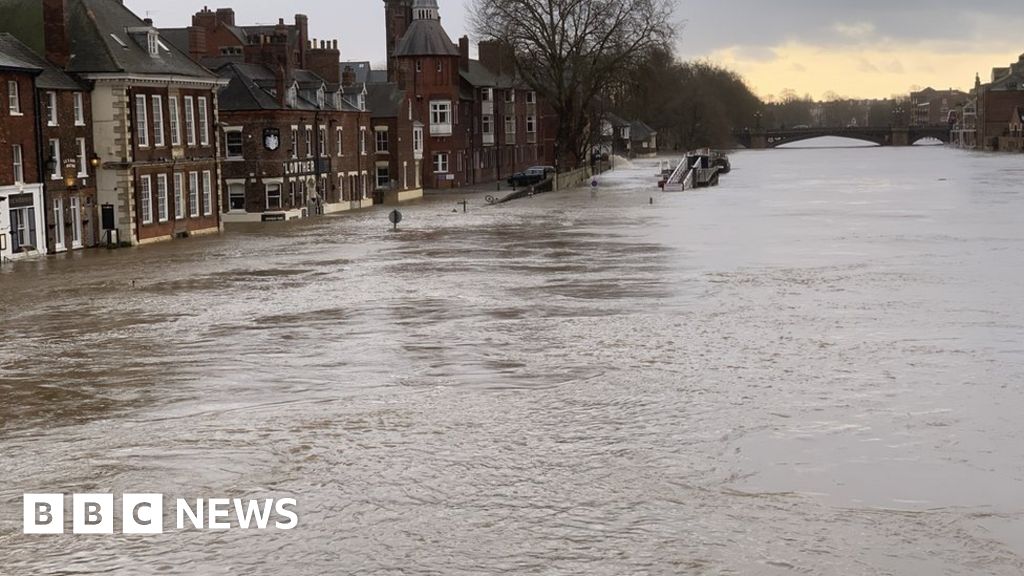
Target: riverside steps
{"points": [[698, 169]]}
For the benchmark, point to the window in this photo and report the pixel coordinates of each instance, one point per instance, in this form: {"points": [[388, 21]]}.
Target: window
{"points": [[233, 144], [441, 118], [487, 124], [58, 220], [13, 98], [383, 175], [381, 133], [340, 144], [204, 123], [141, 121], [440, 66], [236, 196], [158, 121], [161, 197], [487, 94], [207, 193], [146, 199], [531, 125], [531, 97], [83, 161], [172, 103], [153, 42], [193, 194], [510, 96], [179, 195], [417, 141], [51, 108], [79, 104], [309, 141], [190, 121], [273, 196], [510, 124], [323, 141], [362, 140], [19, 164], [440, 163], [55, 155], [419, 66], [295, 142]]}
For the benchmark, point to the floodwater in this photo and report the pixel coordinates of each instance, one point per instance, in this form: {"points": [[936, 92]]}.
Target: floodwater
{"points": [[816, 368]]}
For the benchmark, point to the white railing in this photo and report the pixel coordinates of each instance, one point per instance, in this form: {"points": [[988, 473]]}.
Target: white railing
{"points": [[488, 139], [440, 129]]}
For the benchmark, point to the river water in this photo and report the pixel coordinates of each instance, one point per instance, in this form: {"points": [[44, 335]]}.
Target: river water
{"points": [[815, 368]]}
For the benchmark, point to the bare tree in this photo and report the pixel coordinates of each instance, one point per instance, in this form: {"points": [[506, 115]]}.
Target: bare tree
{"points": [[570, 51]]}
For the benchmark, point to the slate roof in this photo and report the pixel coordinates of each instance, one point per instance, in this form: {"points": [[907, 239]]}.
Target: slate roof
{"points": [[52, 77], [106, 37], [384, 100], [639, 131], [365, 74], [426, 38], [10, 60], [250, 87]]}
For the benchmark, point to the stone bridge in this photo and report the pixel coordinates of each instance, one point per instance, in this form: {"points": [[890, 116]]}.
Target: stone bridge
{"points": [[883, 136]]}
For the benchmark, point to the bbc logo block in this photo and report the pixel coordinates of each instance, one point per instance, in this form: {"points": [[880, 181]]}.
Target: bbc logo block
{"points": [[93, 514]]}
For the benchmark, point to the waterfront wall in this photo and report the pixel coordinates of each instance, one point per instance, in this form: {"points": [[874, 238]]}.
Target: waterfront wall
{"points": [[572, 179]]}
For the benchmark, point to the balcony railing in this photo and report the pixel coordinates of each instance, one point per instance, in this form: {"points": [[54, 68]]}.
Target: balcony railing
{"points": [[488, 139], [531, 137], [487, 107], [440, 129]]}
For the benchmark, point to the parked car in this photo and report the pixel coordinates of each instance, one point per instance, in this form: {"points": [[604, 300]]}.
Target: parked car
{"points": [[530, 176]]}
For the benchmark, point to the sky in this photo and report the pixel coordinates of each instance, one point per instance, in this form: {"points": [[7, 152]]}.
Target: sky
{"points": [[857, 49]]}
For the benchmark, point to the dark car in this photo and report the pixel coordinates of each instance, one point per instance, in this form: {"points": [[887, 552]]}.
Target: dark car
{"points": [[531, 176]]}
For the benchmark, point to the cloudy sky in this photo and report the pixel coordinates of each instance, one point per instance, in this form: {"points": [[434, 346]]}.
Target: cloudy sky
{"points": [[862, 48]]}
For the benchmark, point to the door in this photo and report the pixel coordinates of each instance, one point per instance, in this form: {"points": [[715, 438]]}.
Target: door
{"points": [[76, 222], [58, 221]]}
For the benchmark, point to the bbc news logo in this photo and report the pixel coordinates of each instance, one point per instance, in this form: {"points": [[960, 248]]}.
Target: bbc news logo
{"points": [[144, 514]]}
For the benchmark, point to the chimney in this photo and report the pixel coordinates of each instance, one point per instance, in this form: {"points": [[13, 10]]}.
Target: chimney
{"points": [[55, 32], [197, 42], [279, 76], [464, 53], [348, 76], [226, 16], [302, 23], [323, 60]]}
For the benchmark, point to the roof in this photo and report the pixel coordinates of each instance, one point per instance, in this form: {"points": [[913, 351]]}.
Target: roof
{"points": [[426, 38], [251, 87], [51, 78], [384, 100], [106, 37], [365, 73], [10, 59], [639, 131], [616, 120]]}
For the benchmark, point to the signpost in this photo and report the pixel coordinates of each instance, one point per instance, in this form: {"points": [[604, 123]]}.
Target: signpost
{"points": [[395, 217]]}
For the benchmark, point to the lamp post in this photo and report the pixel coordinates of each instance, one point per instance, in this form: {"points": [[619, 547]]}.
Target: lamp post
{"points": [[757, 120]]}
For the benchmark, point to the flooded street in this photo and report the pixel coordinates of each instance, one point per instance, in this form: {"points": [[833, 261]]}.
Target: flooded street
{"points": [[815, 368]]}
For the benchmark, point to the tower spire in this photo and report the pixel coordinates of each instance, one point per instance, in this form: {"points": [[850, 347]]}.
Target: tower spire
{"points": [[425, 10]]}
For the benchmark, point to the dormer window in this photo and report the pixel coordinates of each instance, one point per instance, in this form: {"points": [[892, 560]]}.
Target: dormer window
{"points": [[291, 96], [362, 102], [153, 40], [320, 98]]}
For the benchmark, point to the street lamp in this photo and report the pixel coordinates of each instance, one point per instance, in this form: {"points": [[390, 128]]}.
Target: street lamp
{"points": [[94, 161]]}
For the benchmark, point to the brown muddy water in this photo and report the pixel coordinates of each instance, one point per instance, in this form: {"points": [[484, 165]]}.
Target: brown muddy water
{"points": [[817, 368]]}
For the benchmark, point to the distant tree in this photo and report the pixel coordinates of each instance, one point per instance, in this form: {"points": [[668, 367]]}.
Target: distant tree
{"points": [[571, 52]]}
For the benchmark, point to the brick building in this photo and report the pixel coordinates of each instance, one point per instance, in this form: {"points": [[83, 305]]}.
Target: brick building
{"points": [[68, 159], [930, 107], [22, 206], [997, 103]]}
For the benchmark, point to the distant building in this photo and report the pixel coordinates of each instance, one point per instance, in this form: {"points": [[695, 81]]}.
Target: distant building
{"points": [[997, 102], [930, 107]]}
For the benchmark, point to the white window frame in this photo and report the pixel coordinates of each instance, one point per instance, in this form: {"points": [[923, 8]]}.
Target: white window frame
{"points": [[341, 142], [79, 105], [175, 113], [382, 167], [531, 124], [14, 98], [322, 144], [193, 194], [51, 109], [280, 195], [190, 121], [141, 121], [18, 159], [162, 213], [441, 163], [146, 199], [207, 193], [227, 146], [362, 140], [380, 136], [179, 196], [441, 117], [204, 122], [510, 124], [83, 160], [232, 186], [309, 141], [295, 142], [158, 121], [55, 154]]}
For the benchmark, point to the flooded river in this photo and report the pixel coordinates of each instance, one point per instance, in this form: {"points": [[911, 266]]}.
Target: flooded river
{"points": [[817, 368]]}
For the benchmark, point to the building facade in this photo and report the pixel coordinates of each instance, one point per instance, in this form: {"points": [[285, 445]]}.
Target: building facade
{"points": [[997, 102], [22, 206]]}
